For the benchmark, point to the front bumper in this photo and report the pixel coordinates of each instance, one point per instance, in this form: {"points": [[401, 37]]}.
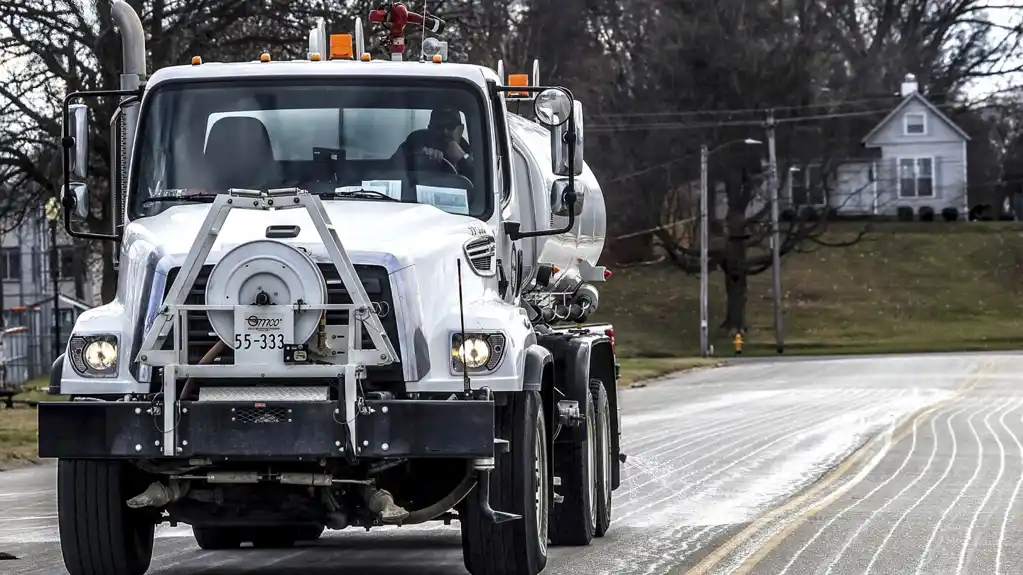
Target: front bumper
{"points": [[271, 430]]}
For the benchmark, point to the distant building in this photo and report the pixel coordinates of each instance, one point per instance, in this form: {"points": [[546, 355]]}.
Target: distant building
{"points": [[27, 284], [915, 157]]}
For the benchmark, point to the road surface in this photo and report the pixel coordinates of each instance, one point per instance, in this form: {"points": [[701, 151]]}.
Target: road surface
{"points": [[907, 464]]}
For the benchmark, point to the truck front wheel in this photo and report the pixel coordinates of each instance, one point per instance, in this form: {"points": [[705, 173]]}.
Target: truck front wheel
{"points": [[99, 533], [519, 485]]}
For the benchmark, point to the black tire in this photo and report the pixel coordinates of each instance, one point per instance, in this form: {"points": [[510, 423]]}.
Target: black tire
{"points": [[217, 538], [573, 521], [602, 410], [517, 547], [309, 532], [99, 533]]}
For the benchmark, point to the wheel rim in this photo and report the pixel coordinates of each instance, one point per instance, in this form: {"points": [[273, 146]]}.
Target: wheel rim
{"points": [[540, 470], [591, 472]]}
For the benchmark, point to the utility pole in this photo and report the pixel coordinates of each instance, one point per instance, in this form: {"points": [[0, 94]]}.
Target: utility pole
{"points": [[704, 255], [775, 235], [52, 215]]}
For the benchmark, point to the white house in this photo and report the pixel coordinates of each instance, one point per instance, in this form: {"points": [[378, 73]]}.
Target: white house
{"points": [[919, 160]]}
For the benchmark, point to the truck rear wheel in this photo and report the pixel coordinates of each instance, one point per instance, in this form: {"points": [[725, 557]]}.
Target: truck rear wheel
{"points": [[573, 520], [518, 484], [99, 533], [602, 410]]}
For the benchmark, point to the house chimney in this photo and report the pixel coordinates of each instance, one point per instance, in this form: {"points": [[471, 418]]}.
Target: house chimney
{"points": [[909, 85]]}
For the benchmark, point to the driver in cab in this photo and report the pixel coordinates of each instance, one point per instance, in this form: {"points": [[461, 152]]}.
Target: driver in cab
{"points": [[441, 140]]}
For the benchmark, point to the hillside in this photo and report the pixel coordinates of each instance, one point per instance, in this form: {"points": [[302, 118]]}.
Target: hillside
{"points": [[925, 286]]}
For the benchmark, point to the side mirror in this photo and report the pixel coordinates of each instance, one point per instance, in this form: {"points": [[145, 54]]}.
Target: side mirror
{"points": [[559, 144], [558, 205], [78, 131], [77, 201], [553, 107]]}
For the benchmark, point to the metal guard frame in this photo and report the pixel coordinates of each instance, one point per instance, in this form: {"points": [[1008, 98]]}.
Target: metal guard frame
{"points": [[173, 311]]}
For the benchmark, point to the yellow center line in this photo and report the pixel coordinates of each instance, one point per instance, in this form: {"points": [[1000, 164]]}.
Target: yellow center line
{"points": [[901, 431]]}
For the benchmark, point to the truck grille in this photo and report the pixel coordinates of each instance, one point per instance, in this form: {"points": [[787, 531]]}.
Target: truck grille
{"points": [[375, 280]]}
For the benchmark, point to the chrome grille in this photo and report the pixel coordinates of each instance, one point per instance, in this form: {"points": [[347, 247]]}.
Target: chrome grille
{"points": [[482, 253]]}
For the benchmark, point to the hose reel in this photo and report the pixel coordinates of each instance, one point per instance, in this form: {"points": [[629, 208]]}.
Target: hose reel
{"points": [[265, 272]]}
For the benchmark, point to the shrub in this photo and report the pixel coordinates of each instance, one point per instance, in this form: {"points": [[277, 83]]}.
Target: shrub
{"points": [[904, 214], [950, 214], [926, 214]]}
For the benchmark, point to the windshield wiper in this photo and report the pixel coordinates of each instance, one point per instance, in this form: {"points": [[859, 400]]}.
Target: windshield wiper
{"points": [[201, 198], [364, 194]]}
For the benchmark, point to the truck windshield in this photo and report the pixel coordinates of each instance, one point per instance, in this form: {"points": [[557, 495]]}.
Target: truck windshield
{"points": [[422, 143]]}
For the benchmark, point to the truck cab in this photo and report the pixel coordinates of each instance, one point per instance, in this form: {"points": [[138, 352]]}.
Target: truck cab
{"points": [[339, 284]]}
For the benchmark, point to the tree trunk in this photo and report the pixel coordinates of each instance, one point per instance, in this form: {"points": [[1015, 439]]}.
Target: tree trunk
{"points": [[735, 265], [736, 288]]}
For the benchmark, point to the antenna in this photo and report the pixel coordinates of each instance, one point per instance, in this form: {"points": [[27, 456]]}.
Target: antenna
{"points": [[461, 345], [422, 41]]}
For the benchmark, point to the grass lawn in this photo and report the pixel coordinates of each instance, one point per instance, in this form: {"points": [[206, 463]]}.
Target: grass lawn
{"points": [[925, 286], [634, 369], [18, 425], [17, 435]]}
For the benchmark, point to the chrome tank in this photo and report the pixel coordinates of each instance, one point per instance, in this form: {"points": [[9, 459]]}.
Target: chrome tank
{"points": [[585, 241]]}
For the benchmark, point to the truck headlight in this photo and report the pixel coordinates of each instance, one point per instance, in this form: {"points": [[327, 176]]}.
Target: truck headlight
{"points": [[480, 352], [94, 355]]}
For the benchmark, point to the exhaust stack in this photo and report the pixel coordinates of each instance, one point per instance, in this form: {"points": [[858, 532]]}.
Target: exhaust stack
{"points": [[133, 44]]}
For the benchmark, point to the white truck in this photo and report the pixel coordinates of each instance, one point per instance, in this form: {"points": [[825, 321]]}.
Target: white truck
{"points": [[333, 311]]}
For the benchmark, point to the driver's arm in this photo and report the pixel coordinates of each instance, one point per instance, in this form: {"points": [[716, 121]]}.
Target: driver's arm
{"points": [[464, 164]]}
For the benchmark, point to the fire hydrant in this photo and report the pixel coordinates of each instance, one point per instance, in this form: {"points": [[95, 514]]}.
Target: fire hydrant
{"points": [[737, 342]]}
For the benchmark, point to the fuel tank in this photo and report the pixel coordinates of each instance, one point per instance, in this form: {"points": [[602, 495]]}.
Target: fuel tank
{"points": [[585, 241]]}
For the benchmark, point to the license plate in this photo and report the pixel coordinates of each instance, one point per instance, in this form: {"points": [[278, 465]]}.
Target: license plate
{"points": [[261, 332]]}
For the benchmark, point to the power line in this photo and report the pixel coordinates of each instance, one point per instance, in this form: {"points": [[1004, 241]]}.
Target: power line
{"points": [[764, 110], [737, 123], [613, 127], [687, 113]]}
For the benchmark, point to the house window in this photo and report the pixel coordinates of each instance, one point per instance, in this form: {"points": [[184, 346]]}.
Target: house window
{"points": [[916, 124], [65, 262], [10, 264], [807, 186], [916, 177]]}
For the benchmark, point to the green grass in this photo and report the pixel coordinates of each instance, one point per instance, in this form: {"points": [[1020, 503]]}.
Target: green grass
{"points": [[17, 435], [635, 369], [905, 288]]}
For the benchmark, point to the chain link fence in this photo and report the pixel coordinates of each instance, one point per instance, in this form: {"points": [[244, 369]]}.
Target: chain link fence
{"points": [[27, 346]]}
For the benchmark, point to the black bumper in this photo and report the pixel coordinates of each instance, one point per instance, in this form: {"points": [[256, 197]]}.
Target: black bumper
{"points": [[272, 430]]}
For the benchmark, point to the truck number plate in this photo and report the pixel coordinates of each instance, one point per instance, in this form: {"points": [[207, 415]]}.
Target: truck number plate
{"points": [[261, 332]]}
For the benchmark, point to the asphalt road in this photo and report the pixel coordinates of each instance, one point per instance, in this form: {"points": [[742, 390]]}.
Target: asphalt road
{"points": [[908, 464]]}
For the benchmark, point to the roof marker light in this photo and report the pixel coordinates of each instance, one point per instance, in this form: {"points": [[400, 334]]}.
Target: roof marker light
{"points": [[518, 80], [264, 57], [366, 57], [315, 57], [341, 47], [196, 60]]}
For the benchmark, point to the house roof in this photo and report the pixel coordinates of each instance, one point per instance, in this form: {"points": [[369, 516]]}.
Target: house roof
{"points": [[915, 96]]}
